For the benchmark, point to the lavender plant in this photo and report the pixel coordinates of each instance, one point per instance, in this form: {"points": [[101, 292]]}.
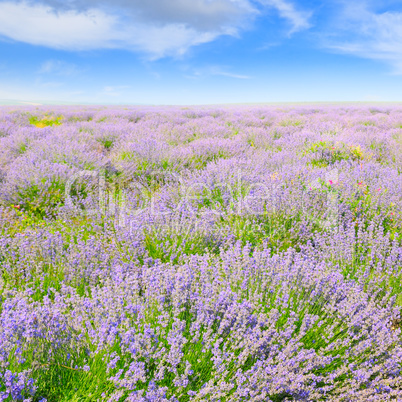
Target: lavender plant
{"points": [[199, 254]]}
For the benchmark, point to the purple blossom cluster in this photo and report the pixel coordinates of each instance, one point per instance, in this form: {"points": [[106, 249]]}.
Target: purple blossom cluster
{"points": [[200, 254]]}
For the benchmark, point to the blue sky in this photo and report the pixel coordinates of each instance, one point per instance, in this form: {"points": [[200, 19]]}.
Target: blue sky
{"points": [[200, 51]]}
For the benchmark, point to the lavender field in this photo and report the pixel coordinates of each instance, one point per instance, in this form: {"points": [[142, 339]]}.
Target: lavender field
{"points": [[152, 254]]}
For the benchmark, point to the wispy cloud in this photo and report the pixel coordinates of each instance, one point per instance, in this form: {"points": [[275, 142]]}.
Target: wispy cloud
{"points": [[217, 70], [231, 75], [39, 91], [223, 73], [58, 67], [30, 103], [50, 84], [114, 90], [269, 45], [371, 35], [298, 19]]}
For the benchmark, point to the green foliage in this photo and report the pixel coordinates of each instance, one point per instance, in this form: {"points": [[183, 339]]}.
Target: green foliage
{"points": [[46, 121], [39, 203], [275, 230], [291, 123], [327, 153], [199, 162], [170, 243], [107, 142], [41, 200], [22, 148], [380, 150], [368, 123]]}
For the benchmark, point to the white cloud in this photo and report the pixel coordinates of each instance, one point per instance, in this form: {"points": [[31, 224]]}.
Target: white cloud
{"points": [[224, 73], [232, 75], [31, 103], [38, 25], [39, 91], [49, 84], [114, 90], [371, 35], [95, 29], [216, 70], [299, 20], [58, 67], [373, 98], [202, 15], [156, 27]]}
